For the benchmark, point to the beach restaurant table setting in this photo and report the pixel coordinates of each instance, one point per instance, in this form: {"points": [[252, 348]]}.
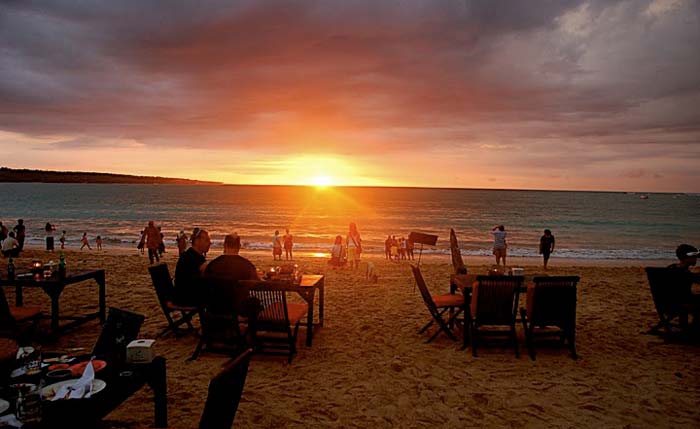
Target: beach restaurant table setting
{"points": [[53, 283], [65, 391], [304, 285]]}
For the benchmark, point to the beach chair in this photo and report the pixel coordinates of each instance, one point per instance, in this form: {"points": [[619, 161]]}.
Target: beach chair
{"points": [[551, 302], [221, 319], [225, 391], [670, 299], [274, 329], [494, 303], [18, 322], [457, 261], [120, 328], [438, 306], [163, 285]]}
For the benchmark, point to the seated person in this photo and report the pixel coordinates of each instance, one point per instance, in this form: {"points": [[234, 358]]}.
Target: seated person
{"points": [[189, 290], [337, 253], [687, 257], [232, 267], [10, 246]]}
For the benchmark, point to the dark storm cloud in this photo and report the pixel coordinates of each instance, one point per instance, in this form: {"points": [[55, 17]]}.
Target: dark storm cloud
{"points": [[345, 74]]}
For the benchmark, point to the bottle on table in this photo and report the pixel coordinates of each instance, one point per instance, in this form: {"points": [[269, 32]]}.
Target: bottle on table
{"points": [[10, 269]]}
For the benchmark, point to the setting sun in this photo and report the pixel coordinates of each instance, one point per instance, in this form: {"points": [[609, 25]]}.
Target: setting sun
{"points": [[321, 181]]}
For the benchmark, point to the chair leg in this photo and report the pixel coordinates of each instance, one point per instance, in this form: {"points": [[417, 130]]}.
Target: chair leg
{"points": [[528, 334], [425, 328], [198, 349]]}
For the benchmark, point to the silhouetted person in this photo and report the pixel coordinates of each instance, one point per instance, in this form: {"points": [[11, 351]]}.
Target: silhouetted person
{"points": [[499, 244], [546, 246], [20, 233]]}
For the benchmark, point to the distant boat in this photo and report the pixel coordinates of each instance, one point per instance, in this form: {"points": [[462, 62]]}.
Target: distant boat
{"points": [[644, 197]]}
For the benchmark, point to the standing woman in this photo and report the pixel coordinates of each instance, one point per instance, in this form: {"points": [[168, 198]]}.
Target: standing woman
{"points": [[499, 244], [49, 236], [354, 243]]}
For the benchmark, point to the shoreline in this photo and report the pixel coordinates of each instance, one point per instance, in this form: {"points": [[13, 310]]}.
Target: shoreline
{"points": [[513, 261]]}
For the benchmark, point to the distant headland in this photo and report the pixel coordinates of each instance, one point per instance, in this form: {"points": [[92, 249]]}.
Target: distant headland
{"points": [[45, 176]]}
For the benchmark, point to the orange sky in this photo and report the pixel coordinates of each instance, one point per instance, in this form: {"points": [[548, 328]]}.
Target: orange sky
{"points": [[565, 95]]}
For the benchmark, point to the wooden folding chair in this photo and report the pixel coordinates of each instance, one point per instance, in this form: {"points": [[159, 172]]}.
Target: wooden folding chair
{"points": [[225, 391], [438, 306], [120, 328], [670, 292], [18, 322], [551, 302], [224, 317], [163, 285], [494, 303], [275, 327], [457, 261]]}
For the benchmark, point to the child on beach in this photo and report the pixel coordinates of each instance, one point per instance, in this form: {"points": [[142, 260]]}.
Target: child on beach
{"points": [[98, 241], [546, 246], [63, 240], [85, 242], [337, 253]]}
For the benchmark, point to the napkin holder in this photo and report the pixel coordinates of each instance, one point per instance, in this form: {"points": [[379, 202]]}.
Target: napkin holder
{"points": [[517, 271], [140, 351]]}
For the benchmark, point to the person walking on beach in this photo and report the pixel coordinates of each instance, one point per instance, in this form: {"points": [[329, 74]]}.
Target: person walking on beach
{"points": [[62, 239], [181, 239], [499, 244], [49, 236], [20, 233], [161, 246], [387, 247], [288, 244], [85, 242], [189, 289], [152, 237], [142, 241], [354, 245], [546, 246], [276, 246], [98, 242], [409, 248]]}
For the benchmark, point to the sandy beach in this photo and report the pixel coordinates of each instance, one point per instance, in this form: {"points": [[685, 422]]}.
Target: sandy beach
{"points": [[369, 367]]}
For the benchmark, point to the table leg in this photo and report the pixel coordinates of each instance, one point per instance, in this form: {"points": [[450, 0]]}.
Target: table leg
{"points": [[54, 314], [321, 296], [158, 383], [19, 298], [100, 278], [310, 320]]}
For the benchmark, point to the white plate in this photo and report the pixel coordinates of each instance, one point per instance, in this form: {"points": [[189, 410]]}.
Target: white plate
{"points": [[49, 391], [4, 405]]}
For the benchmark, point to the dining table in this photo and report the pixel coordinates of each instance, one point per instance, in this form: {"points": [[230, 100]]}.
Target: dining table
{"points": [[121, 382], [54, 286]]}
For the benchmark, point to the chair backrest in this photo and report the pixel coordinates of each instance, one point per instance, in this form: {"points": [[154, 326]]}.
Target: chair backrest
{"points": [[495, 299], [7, 322], [552, 300], [162, 283], [272, 301], [669, 290], [219, 318], [225, 391], [424, 292], [457, 261], [121, 328]]}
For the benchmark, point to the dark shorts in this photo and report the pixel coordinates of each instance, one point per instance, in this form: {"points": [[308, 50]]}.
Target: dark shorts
{"points": [[545, 255]]}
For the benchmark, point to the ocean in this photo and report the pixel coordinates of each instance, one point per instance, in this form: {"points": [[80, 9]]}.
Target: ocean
{"points": [[587, 225]]}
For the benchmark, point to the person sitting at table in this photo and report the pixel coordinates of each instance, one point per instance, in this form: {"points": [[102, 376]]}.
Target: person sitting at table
{"points": [[10, 246], [230, 268], [687, 257], [189, 290]]}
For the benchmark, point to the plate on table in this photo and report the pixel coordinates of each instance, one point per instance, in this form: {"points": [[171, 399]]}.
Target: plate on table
{"points": [[4, 406], [79, 368], [49, 391]]}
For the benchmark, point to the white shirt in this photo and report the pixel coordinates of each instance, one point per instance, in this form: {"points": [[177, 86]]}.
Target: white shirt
{"points": [[9, 243], [499, 239]]}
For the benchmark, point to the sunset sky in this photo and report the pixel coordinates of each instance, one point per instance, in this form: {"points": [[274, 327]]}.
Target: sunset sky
{"points": [[557, 94]]}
